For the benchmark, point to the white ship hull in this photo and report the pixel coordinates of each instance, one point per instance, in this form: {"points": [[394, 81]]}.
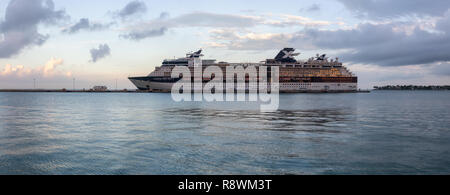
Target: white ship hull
{"points": [[283, 87]]}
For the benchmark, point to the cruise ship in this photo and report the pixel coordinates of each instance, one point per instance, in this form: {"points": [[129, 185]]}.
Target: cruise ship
{"points": [[317, 74]]}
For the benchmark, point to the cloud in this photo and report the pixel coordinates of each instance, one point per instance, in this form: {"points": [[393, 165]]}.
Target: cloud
{"points": [[48, 70], [234, 40], [164, 15], [441, 69], [139, 35], [212, 44], [312, 8], [18, 71], [423, 40], [293, 20], [204, 19], [379, 9], [263, 41], [381, 44], [102, 51], [159, 26], [19, 27], [385, 44], [370, 75], [131, 9], [85, 24]]}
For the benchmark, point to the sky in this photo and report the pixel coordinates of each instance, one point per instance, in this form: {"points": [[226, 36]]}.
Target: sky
{"points": [[52, 43]]}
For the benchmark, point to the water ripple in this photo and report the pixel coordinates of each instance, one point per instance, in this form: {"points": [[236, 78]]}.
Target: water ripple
{"points": [[377, 133]]}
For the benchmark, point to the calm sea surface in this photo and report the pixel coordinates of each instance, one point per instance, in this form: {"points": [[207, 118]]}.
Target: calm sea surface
{"points": [[392, 132]]}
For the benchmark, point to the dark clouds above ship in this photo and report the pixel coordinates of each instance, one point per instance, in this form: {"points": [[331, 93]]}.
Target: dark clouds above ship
{"points": [[102, 51], [382, 44], [390, 43], [379, 9], [20, 24], [425, 39]]}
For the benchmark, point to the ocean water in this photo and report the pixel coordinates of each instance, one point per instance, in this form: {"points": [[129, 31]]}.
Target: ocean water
{"points": [[384, 132]]}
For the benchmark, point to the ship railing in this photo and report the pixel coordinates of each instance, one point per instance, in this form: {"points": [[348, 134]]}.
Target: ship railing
{"points": [[246, 64], [350, 72]]}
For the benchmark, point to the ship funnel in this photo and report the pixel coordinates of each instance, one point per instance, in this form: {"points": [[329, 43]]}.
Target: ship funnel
{"points": [[196, 54], [287, 55]]}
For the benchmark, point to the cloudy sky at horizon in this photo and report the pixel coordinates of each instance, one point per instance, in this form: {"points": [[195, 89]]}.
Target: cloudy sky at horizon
{"points": [[98, 42]]}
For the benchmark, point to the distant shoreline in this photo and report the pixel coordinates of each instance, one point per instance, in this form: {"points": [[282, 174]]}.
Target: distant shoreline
{"points": [[413, 87], [67, 91], [126, 91]]}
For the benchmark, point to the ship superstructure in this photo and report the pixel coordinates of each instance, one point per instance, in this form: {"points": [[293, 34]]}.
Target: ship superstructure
{"points": [[317, 74]]}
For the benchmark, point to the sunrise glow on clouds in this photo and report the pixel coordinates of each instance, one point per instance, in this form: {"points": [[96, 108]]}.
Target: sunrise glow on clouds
{"points": [[99, 42]]}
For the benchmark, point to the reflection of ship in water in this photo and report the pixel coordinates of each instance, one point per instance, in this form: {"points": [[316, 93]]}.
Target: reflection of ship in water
{"points": [[309, 121], [317, 74]]}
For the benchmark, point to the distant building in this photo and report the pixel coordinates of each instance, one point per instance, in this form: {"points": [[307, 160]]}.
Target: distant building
{"points": [[100, 88]]}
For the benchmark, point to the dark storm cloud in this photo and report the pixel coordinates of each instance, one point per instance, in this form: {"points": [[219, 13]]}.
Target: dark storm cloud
{"points": [[384, 44], [389, 43], [132, 8], [395, 8], [381, 44], [19, 26], [363, 35], [102, 51], [85, 24]]}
